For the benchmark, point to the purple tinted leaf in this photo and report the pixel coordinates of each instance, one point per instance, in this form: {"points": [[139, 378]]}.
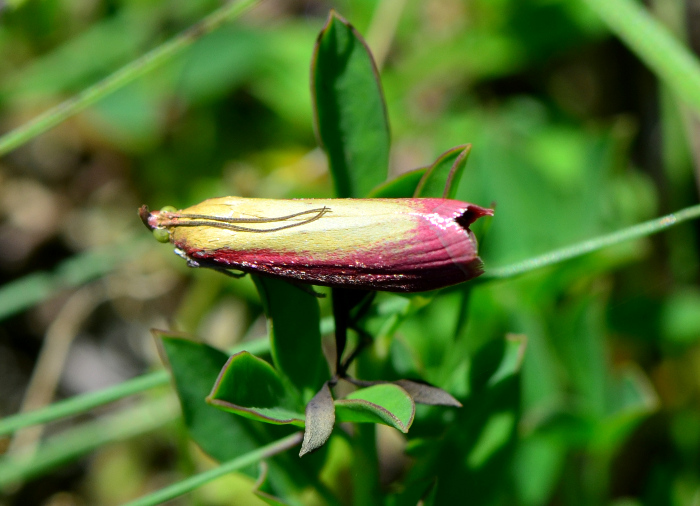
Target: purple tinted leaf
{"points": [[422, 393], [320, 419]]}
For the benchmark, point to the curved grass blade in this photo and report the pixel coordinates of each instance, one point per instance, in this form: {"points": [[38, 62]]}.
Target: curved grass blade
{"points": [[85, 402], [652, 42], [121, 77], [74, 443], [193, 482]]}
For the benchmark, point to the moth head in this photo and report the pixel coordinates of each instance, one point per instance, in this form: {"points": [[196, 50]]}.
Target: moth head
{"points": [[154, 221]]}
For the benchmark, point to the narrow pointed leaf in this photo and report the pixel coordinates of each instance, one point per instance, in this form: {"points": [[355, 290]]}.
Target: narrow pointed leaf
{"points": [[515, 347], [442, 177], [293, 325], [423, 393], [428, 498], [320, 419], [387, 404], [349, 109], [486, 362], [403, 186], [263, 490], [194, 367], [250, 387]]}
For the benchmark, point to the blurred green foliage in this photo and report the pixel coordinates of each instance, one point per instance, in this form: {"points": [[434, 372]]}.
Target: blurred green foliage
{"points": [[579, 382]]}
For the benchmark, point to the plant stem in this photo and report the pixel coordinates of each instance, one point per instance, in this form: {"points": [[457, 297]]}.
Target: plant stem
{"points": [[365, 466], [189, 484], [82, 403], [121, 77], [582, 248], [85, 402], [25, 292], [654, 44], [84, 439]]}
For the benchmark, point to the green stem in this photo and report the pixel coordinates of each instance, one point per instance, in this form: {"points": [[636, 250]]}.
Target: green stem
{"points": [[126, 74], [84, 439], [365, 466], [189, 484], [86, 402], [25, 292], [82, 403], [583, 248], [652, 42]]}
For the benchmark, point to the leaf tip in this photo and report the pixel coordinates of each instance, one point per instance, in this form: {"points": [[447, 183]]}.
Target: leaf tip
{"points": [[320, 419]]}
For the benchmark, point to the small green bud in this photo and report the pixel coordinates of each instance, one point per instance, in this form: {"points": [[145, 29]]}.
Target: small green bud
{"points": [[168, 209], [161, 235]]}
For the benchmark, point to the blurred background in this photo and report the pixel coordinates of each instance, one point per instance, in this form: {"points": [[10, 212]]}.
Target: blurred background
{"points": [[572, 137]]}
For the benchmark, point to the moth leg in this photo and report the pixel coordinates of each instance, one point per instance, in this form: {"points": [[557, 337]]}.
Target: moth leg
{"points": [[310, 290], [361, 305], [344, 302], [235, 275], [365, 340]]}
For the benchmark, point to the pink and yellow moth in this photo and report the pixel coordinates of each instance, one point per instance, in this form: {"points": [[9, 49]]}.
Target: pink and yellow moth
{"points": [[396, 245]]}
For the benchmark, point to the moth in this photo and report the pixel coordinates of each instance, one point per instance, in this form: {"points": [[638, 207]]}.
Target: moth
{"points": [[395, 245]]}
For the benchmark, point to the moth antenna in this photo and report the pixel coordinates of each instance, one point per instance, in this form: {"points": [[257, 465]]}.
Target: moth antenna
{"points": [[226, 223], [251, 220]]}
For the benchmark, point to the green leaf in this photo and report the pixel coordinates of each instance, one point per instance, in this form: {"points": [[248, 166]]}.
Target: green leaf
{"points": [[680, 317], [250, 387], [349, 109], [293, 325], [513, 355], [495, 435], [194, 368], [403, 186], [387, 404], [320, 419], [442, 177]]}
